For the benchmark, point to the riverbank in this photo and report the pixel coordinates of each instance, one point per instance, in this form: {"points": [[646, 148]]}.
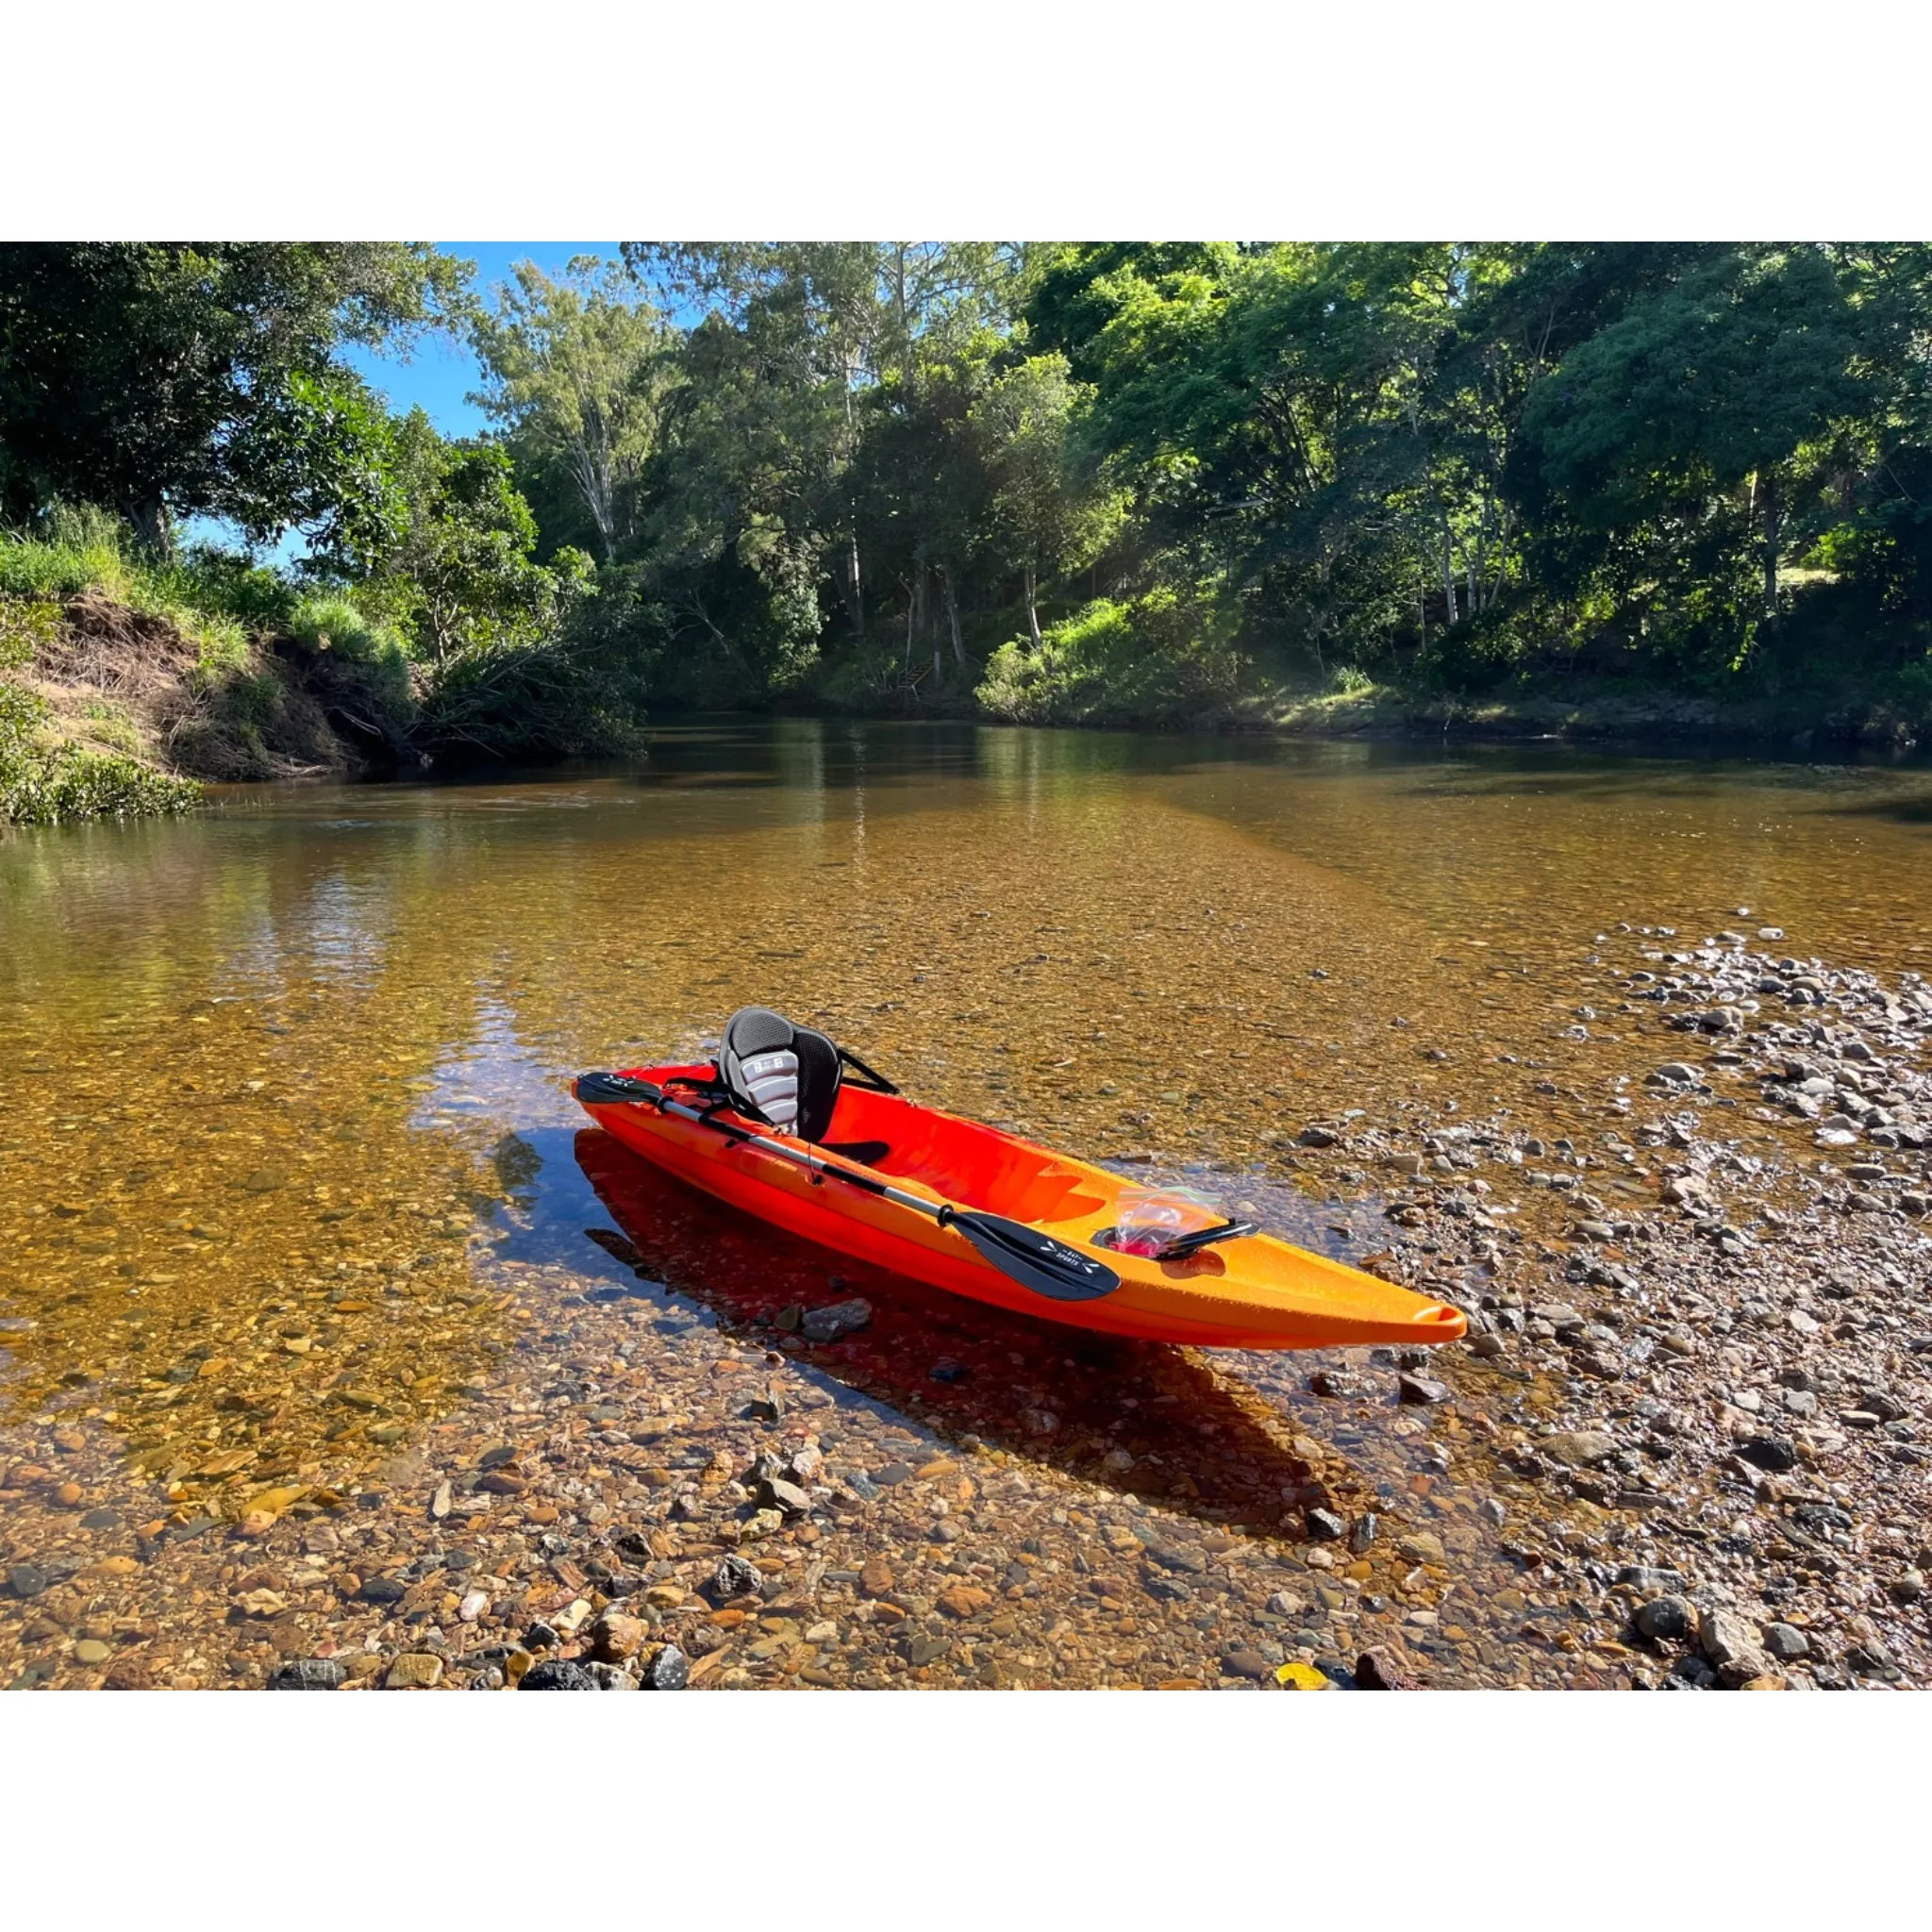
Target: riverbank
{"points": [[1820, 721], [127, 682], [123, 705], [1579, 710], [119, 705]]}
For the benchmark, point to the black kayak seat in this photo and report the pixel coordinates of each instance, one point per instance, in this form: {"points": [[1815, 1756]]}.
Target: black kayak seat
{"points": [[787, 1077]]}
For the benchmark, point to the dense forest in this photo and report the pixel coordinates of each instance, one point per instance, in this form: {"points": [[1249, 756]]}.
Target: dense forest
{"points": [[1059, 482]]}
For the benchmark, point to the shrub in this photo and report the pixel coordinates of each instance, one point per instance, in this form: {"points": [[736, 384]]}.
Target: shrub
{"points": [[1350, 681], [27, 627], [1162, 658], [41, 787], [224, 583]]}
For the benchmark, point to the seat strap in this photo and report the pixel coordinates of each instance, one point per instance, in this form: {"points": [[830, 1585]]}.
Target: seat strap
{"points": [[877, 1082]]}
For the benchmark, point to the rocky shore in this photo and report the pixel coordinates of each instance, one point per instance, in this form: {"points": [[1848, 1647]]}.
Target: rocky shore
{"points": [[1682, 1447]]}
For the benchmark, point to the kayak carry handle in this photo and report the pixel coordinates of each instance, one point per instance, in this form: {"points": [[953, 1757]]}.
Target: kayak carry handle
{"points": [[1183, 1245], [1201, 1237]]}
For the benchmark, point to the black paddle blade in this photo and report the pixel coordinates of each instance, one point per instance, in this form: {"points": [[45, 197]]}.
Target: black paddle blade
{"points": [[612, 1089], [1036, 1260]]}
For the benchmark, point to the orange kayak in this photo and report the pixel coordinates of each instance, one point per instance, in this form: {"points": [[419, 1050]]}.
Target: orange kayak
{"points": [[927, 1194]]}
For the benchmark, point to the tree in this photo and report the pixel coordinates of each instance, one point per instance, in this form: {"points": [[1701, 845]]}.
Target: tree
{"points": [[1045, 516], [454, 569], [173, 379], [320, 458], [843, 332], [577, 371], [1696, 423]]}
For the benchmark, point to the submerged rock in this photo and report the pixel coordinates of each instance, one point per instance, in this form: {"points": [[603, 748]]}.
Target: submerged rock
{"points": [[835, 1321], [556, 1673], [308, 1673]]}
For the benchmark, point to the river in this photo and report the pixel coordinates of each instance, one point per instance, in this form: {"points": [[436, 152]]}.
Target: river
{"points": [[295, 1211]]}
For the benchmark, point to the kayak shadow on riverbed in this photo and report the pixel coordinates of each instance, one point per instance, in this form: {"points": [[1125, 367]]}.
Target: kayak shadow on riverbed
{"points": [[1143, 1419]]}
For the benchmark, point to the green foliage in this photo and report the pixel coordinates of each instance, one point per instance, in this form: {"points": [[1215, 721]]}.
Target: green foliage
{"points": [[28, 626], [578, 688], [41, 786], [21, 714], [1047, 512], [174, 379], [217, 583], [319, 456], [820, 462], [75, 551], [1162, 658], [455, 573]]}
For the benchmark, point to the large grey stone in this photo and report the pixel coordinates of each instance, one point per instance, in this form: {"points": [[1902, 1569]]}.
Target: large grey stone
{"points": [[558, 1673], [1664, 1619], [839, 1318]]}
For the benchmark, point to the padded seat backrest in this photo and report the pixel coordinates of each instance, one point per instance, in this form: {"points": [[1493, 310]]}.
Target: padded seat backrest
{"points": [[785, 1076]]}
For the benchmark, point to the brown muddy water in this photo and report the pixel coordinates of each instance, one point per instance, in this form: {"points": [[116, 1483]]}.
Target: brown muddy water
{"points": [[298, 1222]]}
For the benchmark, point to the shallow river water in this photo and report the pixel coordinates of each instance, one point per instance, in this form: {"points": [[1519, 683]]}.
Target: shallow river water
{"points": [[299, 1221]]}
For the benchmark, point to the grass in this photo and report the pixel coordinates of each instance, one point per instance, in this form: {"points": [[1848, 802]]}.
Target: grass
{"points": [[1158, 660], [85, 553], [334, 625]]}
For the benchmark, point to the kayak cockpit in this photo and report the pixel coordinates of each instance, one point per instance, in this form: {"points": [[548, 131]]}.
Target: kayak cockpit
{"points": [[959, 1160]]}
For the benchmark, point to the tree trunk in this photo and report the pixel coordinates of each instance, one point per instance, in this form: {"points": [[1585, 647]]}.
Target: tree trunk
{"points": [[152, 526], [1448, 577], [930, 630], [852, 588], [1772, 530], [589, 461], [953, 618], [1032, 611]]}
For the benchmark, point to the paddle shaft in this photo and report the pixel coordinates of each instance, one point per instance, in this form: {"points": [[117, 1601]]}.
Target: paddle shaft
{"points": [[933, 1210]]}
